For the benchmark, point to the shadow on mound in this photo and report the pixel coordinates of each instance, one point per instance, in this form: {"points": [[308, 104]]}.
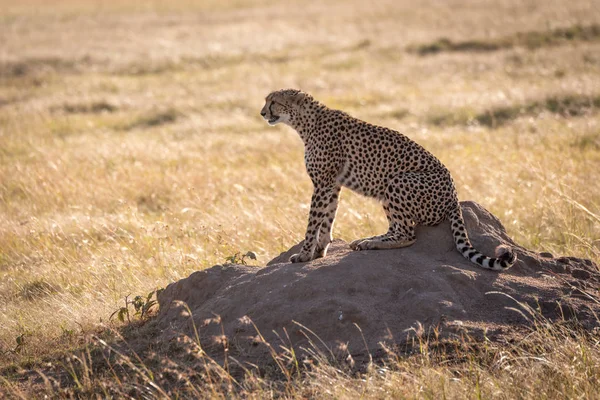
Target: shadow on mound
{"points": [[387, 293]]}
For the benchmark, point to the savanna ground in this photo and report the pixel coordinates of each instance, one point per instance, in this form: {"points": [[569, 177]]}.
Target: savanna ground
{"points": [[132, 153]]}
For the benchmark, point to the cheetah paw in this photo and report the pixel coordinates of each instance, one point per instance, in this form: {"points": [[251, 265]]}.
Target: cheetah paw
{"points": [[296, 258], [360, 244]]}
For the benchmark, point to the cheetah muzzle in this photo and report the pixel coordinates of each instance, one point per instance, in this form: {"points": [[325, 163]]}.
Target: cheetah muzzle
{"points": [[414, 187]]}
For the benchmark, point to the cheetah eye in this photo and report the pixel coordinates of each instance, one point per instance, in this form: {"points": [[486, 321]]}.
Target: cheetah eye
{"points": [[280, 105]]}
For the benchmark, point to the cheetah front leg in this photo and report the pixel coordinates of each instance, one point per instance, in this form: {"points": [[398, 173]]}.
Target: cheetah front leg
{"points": [[325, 232], [323, 207]]}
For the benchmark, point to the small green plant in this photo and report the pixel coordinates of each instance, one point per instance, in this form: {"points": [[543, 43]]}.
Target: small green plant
{"points": [[141, 305], [239, 258], [20, 343], [66, 332]]}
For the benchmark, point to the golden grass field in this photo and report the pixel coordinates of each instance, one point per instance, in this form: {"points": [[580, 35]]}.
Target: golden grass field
{"points": [[132, 153]]}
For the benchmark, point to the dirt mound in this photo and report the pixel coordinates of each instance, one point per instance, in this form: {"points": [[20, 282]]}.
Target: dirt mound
{"points": [[384, 292]]}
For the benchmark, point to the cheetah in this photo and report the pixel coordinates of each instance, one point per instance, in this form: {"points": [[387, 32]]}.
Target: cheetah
{"points": [[414, 187]]}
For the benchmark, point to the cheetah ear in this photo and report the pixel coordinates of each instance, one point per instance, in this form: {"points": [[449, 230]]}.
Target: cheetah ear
{"points": [[299, 98]]}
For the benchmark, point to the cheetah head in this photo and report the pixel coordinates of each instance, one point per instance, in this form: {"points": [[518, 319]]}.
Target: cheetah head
{"points": [[284, 106]]}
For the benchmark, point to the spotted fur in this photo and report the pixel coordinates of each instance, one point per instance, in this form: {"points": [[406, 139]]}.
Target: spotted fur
{"points": [[414, 187]]}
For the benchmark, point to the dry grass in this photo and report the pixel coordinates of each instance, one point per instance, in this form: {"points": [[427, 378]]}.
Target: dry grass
{"points": [[132, 152], [552, 360]]}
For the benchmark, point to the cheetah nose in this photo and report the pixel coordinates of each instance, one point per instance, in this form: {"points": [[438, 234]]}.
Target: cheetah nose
{"points": [[263, 113]]}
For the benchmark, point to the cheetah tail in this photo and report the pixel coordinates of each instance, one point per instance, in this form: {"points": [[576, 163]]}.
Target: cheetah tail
{"points": [[505, 256]]}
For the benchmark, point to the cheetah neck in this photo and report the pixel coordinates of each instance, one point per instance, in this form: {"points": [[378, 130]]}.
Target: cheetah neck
{"points": [[307, 118]]}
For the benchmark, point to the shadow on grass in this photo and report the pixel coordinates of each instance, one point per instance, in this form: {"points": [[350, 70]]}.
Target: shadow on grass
{"points": [[35, 66], [530, 40], [155, 118], [567, 106], [214, 61], [95, 107]]}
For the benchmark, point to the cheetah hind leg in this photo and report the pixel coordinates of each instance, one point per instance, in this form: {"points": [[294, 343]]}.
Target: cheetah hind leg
{"points": [[400, 234], [355, 243]]}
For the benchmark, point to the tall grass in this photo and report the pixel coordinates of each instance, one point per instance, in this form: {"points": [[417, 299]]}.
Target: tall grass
{"points": [[132, 152], [552, 359]]}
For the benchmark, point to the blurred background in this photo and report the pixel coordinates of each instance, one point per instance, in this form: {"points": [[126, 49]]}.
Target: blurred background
{"points": [[132, 152]]}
